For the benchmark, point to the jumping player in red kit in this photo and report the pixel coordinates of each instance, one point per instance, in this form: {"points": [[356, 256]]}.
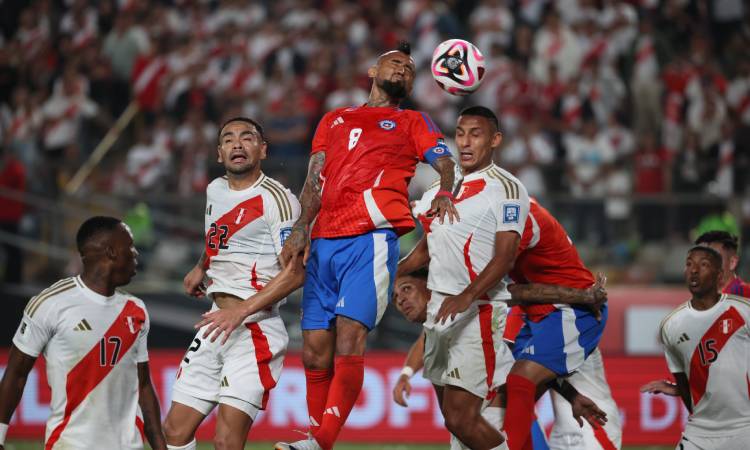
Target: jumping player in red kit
{"points": [[356, 194]]}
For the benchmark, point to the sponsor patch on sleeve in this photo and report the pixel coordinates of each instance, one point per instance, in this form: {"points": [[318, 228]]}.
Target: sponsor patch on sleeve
{"points": [[511, 213]]}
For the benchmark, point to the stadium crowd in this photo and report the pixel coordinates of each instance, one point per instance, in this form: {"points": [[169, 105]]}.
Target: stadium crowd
{"points": [[601, 105]]}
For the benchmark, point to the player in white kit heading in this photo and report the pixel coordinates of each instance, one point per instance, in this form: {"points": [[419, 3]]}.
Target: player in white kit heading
{"points": [[93, 338], [248, 216], [707, 346]]}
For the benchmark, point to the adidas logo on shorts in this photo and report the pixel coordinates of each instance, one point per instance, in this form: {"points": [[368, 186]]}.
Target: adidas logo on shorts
{"points": [[454, 374], [224, 382]]}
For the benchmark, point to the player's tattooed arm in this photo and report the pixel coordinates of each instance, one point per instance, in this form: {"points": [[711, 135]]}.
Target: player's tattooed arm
{"points": [[14, 380], [417, 258], [149, 404], [593, 297], [298, 240], [443, 204]]}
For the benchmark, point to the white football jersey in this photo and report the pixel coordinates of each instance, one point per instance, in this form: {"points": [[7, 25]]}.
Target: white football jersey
{"points": [[489, 201], [245, 231], [91, 345], [713, 349]]}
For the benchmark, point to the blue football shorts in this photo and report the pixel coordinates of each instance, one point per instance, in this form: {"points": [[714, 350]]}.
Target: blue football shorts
{"points": [[562, 340], [351, 277]]}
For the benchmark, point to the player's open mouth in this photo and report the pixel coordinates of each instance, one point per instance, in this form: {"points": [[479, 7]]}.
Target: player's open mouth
{"points": [[466, 156], [238, 158]]}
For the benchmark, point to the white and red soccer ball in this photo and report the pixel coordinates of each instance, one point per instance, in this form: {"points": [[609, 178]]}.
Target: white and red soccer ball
{"points": [[457, 66]]}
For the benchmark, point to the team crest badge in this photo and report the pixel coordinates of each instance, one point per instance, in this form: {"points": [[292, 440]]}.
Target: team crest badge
{"points": [[387, 125], [511, 213]]}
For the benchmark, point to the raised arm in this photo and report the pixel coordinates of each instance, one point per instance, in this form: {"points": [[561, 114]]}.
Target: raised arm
{"points": [[443, 204], [150, 408], [298, 240], [14, 380]]}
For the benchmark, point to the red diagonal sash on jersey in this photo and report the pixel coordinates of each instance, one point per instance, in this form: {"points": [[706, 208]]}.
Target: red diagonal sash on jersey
{"points": [[234, 221], [88, 373], [708, 350], [468, 190]]}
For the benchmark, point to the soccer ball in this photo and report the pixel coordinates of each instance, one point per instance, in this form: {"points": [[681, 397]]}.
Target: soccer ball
{"points": [[457, 66]]}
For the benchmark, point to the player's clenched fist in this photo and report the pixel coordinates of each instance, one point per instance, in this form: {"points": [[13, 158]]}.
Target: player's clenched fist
{"points": [[193, 282]]}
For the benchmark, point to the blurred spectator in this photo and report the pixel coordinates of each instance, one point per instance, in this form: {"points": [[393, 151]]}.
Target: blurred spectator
{"points": [[347, 92], [148, 162], [706, 115], [556, 44], [13, 178], [123, 45], [527, 156], [63, 115], [21, 122], [589, 157], [287, 128], [652, 175], [644, 81], [492, 24]]}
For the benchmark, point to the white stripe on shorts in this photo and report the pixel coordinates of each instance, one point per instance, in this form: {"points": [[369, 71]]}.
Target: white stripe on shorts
{"points": [[574, 353], [380, 273]]}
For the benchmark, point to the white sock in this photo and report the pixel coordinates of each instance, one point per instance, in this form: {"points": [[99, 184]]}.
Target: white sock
{"points": [[189, 446]]}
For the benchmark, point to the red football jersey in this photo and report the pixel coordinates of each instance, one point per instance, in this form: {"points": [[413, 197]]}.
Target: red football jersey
{"points": [[371, 154], [545, 255]]}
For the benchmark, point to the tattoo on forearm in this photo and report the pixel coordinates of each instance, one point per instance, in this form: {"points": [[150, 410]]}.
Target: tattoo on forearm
{"points": [[311, 192], [545, 293], [444, 166]]}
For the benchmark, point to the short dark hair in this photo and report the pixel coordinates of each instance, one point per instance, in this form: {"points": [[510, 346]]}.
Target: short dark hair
{"points": [[481, 111], [715, 256], [94, 226], [419, 273], [404, 47], [242, 119], [726, 239]]}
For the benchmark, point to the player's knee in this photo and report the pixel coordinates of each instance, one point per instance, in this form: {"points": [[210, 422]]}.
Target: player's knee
{"points": [[457, 421], [176, 435], [312, 359], [226, 440]]}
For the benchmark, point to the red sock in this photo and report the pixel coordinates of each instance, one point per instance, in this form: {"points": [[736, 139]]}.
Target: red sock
{"points": [[345, 388], [318, 382], [520, 393]]}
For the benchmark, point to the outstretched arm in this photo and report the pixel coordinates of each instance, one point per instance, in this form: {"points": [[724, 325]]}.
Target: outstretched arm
{"points": [[150, 408], [226, 320], [593, 297], [14, 380], [443, 204], [298, 240]]}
